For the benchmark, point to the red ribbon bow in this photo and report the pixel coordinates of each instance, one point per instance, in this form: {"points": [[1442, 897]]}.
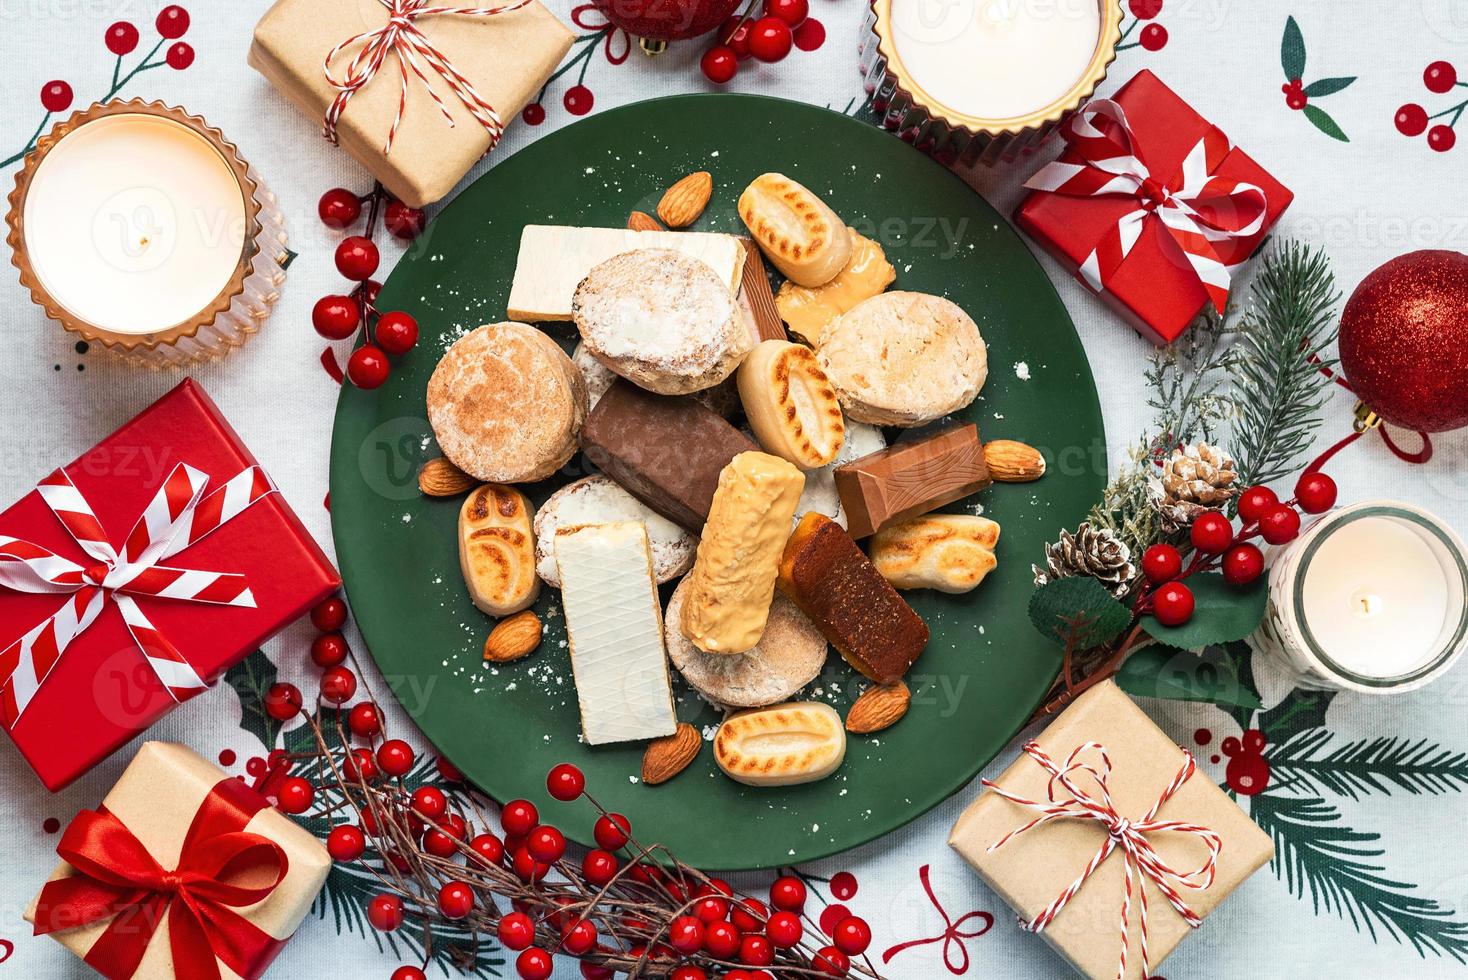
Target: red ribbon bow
{"points": [[1128, 836], [1210, 218], [953, 934], [220, 869], [402, 35]]}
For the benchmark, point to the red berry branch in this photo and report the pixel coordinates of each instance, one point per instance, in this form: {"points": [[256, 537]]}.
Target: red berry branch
{"points": [[338, 317], [623, 908], [1439, 78], [767, 37]]}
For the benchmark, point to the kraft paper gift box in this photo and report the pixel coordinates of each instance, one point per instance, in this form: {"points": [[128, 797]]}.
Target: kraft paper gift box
{"points": [[168, 801], [1032, 868], [506, 57]]}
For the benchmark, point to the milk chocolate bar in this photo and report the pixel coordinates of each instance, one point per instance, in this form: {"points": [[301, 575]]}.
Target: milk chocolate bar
{"points": [[666, 452], [756, 297], [855, 608], [911, 478]]}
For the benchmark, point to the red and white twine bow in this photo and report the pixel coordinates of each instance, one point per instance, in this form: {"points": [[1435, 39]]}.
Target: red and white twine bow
{"points": [[178, 516], [402, 35], [1209, 217], [1130, 836]]}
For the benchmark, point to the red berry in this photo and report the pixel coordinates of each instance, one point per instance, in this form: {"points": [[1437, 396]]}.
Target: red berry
{"points": [[173, 22], [749, 914], [1162, 563], [534, 964], [685, 934], [546, 844], [735, 34], [788, 894], [1315, 493], [367, 293], [179, 56], [439, 844], [122, 38], [519, 817], [1255, 502], [1145, 9], [336, 317], [455, 900], [852, 936], [488, 849], [360, 766], [711, 909], [395, 757], [599, 867], [329, 650], [357, 257], [770, 39], [1281, 525], [346, 843], [755, 950], [565, 782], [721, 940], [526, 867], [283, 701], [338, 685], [385, 912], [1212, 533], [1173, 604], [56, 96], [1243, 563], [533, 114], [430, 802], [690, 973], [516, 931], [719, 64], [578, 100], [364, 720], [295, 795], [832, 962], [1297, 100], [1440, 77], [612, 832], [408, 973], [397, 332], [1441, 138], [1411, 119], [339, 208], [448, 770], [404, 222], [792, 12], [329, 614], [580, 938], [784, 929], [368, 367], [1154, 37]]}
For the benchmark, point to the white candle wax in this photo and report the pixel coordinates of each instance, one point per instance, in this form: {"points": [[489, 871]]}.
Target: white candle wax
{"points": [[134, 223], [996, 59], [1378, 598]]}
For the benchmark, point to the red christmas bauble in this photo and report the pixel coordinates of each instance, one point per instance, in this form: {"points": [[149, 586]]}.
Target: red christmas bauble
{"points": [[667, 20], [1404, 340]]}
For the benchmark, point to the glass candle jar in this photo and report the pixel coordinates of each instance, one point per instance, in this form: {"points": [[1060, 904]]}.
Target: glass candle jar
{"points": [[1369, 598]]}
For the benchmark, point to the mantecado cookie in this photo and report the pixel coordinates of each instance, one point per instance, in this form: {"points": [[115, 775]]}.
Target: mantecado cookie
{"points": [[597, 499]]}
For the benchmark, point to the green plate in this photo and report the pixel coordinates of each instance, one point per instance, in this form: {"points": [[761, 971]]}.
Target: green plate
{"points": [[985, 669]]}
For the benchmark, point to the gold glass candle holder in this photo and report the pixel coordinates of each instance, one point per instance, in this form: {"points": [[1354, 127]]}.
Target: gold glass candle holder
{"points": [[140, 227], [982, 81]]}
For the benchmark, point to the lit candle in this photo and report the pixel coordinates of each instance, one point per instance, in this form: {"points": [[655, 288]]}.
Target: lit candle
{"points": [[140, 227], [1370, 598]]}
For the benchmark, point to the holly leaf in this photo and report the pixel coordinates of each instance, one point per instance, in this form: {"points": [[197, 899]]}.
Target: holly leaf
{"points": [[1292, 51], [1323, 122], [1162, 671], [251, 678], [1078, 609], [1302, 709], [1222, 613], [1328, 86]]}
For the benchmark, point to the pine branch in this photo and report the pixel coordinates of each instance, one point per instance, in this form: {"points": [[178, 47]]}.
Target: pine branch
{"points": [[1279, 387], [1318, 856], [1186, 379], [1359, 768]]}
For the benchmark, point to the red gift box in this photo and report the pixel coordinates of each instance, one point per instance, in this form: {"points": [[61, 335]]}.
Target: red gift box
{"points": [[192, 562], [1154, 286]]}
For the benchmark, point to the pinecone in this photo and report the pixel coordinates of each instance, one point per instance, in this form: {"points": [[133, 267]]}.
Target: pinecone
{"points": [[1193, 479], [1094, 552]]}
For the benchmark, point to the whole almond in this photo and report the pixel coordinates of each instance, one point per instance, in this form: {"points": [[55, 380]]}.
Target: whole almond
{"points": [[668, 756], [878, 708], [642, 221], [512, 638], [440, 478], [1013, 462], [684, 201]]}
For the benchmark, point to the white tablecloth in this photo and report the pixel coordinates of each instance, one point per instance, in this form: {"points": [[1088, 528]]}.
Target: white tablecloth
{"points": [[1365, 200]]}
